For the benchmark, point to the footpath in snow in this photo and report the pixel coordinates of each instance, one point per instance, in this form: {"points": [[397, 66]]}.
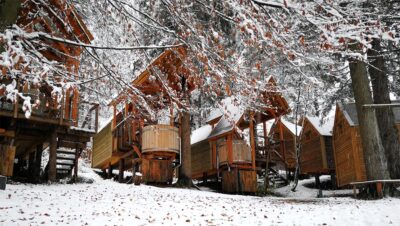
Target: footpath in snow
{"points": [[105, 202]]}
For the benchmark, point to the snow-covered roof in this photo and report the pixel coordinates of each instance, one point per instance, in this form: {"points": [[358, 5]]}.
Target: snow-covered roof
{"points": [[230, 113], [325, 129], [350, 112], [200, 134], [230, 108], [292, 127]]}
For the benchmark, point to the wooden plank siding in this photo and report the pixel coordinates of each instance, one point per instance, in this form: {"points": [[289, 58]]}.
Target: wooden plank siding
{"points": [[349, 157], [160, 138], [102, 148], [201, 159], [316, 151], [289, 149], [311, 159]]}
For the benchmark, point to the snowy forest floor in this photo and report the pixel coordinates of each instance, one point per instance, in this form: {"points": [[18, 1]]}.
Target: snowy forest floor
{"points": [[105, 202]]}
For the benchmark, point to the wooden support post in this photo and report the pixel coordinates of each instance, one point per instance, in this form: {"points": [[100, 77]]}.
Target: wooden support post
{"points": [[96, 122], [31, 167], [252, 141], [38, 161], [379, 189], [121, 170], [75, 107], [16, 106], [110, 169], [355, 191], [317, 181], [53, 157], [265, 138], [214, 154], [282, 143], [77, 152], [62, 108]]}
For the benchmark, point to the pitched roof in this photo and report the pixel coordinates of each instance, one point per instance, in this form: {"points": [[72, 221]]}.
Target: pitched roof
{"points": [[230, 114], [292, 127], [200, 134], [350, 112], [325, 127]]}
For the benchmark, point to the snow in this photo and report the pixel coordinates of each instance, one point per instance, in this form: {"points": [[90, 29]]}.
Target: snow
{"points": [[105, 202], [292, 127], [325, 129], [200, 134]]}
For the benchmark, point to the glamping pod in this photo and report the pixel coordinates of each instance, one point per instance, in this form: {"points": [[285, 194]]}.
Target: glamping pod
{"points": [[227, 156], [316, 147], [348, 152], [138, 141], [202, 156], [284, 132]]}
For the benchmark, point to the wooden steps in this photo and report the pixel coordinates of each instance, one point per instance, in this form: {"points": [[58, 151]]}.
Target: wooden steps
{"points": [[65, 161]]}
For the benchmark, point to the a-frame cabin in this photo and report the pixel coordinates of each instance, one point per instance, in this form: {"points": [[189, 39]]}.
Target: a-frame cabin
{"points": [[227, 155], [285, 133], [316, 156], [134, 136], [348, 152], [62, 122]]}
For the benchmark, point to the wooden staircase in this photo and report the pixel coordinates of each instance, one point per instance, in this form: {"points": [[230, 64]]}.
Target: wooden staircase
{"points": [[66, 160]]}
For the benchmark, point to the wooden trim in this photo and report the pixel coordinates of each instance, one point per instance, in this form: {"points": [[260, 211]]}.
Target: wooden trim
{"points": [[323, 152], [252, 140]]}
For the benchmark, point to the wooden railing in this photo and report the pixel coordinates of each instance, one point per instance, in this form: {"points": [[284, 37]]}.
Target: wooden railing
{"points": [[69, 112], [89, 116]]}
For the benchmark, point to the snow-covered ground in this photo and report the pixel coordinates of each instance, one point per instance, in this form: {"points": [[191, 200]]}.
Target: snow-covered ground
{"points": [[105, 202]]}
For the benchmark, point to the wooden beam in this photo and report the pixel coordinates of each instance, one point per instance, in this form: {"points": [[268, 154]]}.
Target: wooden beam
{"points": [[252, 140], [53, 157]]}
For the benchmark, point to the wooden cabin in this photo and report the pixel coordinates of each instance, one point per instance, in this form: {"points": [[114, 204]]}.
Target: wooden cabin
{"points": [[316, 147], [200, 148], [348, 152], [134, 136], [62, 122], [284, 133], [227, 155]]}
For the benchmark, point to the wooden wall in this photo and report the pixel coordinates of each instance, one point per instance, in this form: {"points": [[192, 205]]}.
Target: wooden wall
{"points": [[157, 171], [348, 153], [102, 148], [239, 181], [241, 152], [201, 158], [314, 156], [160, 138], [289, 151]]}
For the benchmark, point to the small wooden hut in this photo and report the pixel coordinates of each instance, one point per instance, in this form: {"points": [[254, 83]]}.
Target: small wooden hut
{"points": [[348, 152], [285, 133], [57, 122], [133, 136], [202, 159], [227, 155], [316, 147]]}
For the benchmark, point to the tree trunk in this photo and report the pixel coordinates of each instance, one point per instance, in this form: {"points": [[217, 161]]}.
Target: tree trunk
{"points": [[374, 154], [385, 117], [185, 172]]}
